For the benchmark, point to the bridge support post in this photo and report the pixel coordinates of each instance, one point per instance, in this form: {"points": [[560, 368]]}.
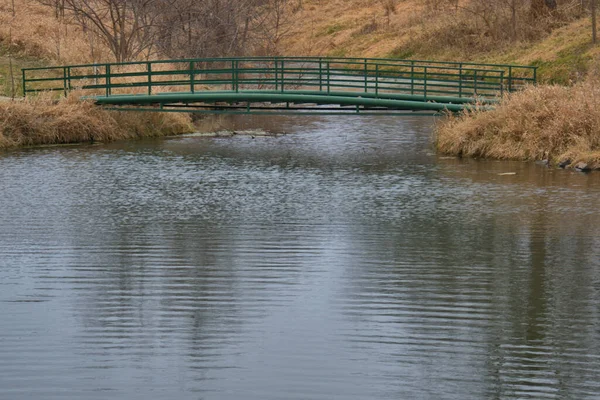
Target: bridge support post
{"points": [[460, 80], [475, 83], [192, 77], [69, 78], [149, 70], [510, 76], [107, 80], [320, 74], [24, 83], [425, 84], [377, 80], [232, 75], [237, 76], [276, 74], [412, 77], [65, 81], [328, 77], [366, 77], [282, 76]]}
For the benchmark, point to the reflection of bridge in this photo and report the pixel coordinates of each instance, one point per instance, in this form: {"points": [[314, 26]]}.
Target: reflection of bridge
{"points": [[284, 85]]}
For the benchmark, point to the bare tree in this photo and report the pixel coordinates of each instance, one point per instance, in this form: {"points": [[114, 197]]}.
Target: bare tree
{"points": [[209, 28], [215, 28], [271, 21], [126, 27], [512, 19]]}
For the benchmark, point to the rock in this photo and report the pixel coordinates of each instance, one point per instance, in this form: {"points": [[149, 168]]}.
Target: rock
{"points": [[543, 162], [582, 167], [564, 164]]}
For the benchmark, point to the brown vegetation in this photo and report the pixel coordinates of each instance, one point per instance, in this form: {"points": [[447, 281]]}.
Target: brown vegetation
{"points": [[483, 26], [553, 123], [32, 30], [44, 120], [426, 26], [552, 34]]}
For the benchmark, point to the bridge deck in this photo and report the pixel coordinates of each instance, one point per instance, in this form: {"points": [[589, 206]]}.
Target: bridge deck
{"points": [[279, 84], [365, 101]]}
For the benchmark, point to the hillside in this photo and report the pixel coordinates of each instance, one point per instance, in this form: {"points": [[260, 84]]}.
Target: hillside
{"points": [[562, 49], [33, 36], [420, 29]]}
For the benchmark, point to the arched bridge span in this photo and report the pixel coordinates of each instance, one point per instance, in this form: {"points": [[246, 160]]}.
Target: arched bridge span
{"points": [[285, 85]]}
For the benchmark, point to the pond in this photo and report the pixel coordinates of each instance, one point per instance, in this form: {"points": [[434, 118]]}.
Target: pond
{"points": [[343, 259]]}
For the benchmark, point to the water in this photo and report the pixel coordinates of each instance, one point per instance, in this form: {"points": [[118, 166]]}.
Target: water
{"points": [[344, 260]]}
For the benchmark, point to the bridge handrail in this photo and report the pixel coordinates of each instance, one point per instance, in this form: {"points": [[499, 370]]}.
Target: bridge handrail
{"points": [[187, 71], [295, 58], [332, 72], [465, 71]]}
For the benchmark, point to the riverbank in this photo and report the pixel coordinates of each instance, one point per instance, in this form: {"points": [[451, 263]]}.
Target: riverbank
{"points": [[44, 120], [554, 124]]}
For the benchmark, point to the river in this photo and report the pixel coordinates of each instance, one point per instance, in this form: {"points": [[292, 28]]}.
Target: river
{"points": [[343, 259]]}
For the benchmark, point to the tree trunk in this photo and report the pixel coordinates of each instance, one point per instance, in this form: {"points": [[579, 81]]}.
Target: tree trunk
{"points": [[594, 30]]}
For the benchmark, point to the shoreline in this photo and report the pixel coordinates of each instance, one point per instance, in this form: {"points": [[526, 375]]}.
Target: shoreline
{"points": [[44, 120], [555, 125]]}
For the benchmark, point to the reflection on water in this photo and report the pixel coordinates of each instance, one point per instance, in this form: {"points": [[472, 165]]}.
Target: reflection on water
{"points": [[343, 260]]}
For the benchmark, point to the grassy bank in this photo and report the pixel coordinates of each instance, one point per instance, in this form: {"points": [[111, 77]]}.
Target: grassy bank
{"points": [[553, 123], [45, 120], [560, 45]]}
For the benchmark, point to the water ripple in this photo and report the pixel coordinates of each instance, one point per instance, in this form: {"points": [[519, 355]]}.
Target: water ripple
{"points": [[341, 261]]}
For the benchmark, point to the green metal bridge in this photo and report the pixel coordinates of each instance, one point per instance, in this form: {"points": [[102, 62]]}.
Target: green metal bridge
{"points": [[285, 85]]}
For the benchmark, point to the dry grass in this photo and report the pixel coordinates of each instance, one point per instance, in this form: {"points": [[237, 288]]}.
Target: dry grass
{"points": [[349, 28], [546, 122], [44, 120], [360, 28], [34, 31], [560, 46]]}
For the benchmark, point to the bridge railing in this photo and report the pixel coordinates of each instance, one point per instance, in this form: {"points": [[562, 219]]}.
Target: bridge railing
{"points": [[317, 75]]}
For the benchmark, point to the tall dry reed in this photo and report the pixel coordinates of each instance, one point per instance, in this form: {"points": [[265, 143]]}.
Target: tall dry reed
{"points": [[46, 120], [546, 122]]}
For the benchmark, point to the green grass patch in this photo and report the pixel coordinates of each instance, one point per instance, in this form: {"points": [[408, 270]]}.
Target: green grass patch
{"points": [[401, 53], [6, 87], [339, 52], [571, 65], [331, 29], [565, 59]]}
